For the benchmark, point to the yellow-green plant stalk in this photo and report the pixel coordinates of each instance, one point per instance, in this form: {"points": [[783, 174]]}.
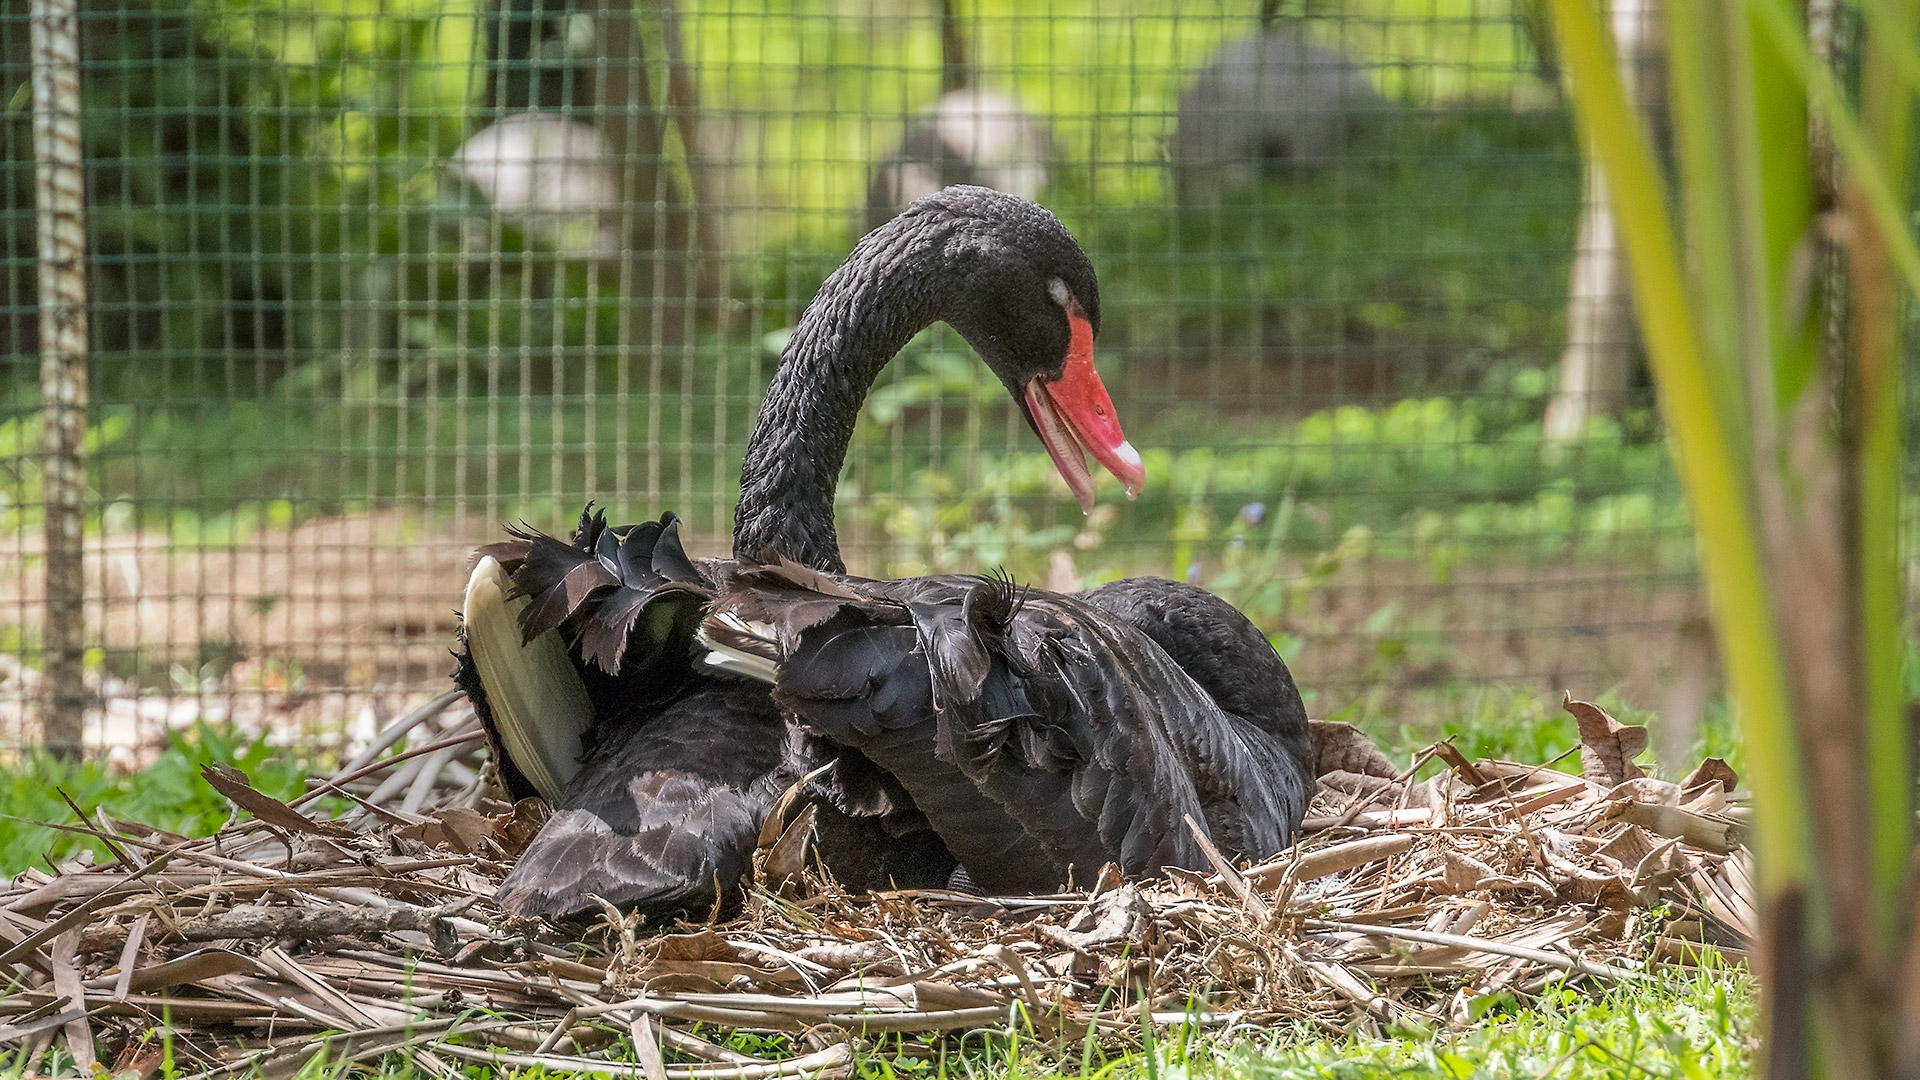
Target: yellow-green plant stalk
{"points": [[1788, 440], [1707, 432]]}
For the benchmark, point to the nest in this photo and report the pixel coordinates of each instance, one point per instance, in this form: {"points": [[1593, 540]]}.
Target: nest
{"points": [[371, 933]]}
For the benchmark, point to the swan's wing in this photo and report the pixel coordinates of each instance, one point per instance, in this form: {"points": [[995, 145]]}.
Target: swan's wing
{"points": [[1254, 768], [868, 830], [527, 692], [850, 666], [1076, 700], [663, 814], [1088, 691], [865, 687], [1082, 731], [1217, 646], [608, 583], [1025, 741], [660, 783]]}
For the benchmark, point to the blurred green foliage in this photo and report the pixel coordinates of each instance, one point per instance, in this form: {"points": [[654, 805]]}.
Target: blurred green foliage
{"points": [[167, 795], [1438, 480], [297, 299], [824, 88], [540, 437], [1441, 251]]}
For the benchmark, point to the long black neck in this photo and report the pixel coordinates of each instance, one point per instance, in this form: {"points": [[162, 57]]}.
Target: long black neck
{"points": [[888, 290]]}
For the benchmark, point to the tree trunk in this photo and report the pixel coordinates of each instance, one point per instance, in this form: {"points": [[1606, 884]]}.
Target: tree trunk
{"points": [[683, 100], [1598, 361], [655, 262]]}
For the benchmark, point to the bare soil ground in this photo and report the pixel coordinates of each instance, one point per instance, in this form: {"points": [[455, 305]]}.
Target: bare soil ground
{"points": [[326, 630]]}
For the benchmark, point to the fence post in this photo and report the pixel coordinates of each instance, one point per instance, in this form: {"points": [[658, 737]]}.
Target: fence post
{"points": [[59, 199]]}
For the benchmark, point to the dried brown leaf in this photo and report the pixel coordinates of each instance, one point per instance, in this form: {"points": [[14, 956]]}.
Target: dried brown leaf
{"points": [[239, 790], [468, 831], [196, 966], [1352, 784], [646, 1047], [515, 830], [1710, 771], [455, 829], [1580, 885], [787, 858], [702, 945], [1458, 762], [1698, 830], [67, 983], [850, 955], [1646, 789], [1633, 844], [662, 975], [1322, 862], [1607, 746], [1464, 873], [1121, 914], [1339, 747]]}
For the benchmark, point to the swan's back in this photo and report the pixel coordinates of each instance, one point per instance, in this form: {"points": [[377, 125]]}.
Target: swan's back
{"points": [[1060, 712]]}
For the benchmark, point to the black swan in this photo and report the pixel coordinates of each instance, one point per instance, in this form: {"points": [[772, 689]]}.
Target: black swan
{"points": [[937, 722]]}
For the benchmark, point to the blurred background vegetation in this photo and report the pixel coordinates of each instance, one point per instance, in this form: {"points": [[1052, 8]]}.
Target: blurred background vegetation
{"points": [[332, 352]]}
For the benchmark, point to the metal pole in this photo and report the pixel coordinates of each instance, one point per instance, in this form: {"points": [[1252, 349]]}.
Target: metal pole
{"points": [[59, 198]]}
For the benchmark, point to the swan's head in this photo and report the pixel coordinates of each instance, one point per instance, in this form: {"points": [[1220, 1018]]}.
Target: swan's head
{"points": [[1026, 299]]}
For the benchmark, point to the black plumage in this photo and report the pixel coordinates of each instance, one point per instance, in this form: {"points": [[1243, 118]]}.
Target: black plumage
{"points": [[935, 723], [983, 262], [682, 762], [665, 814], [1042, 735]]}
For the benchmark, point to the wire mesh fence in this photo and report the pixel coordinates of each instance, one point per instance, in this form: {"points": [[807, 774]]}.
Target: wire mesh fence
{"points": [[367, 280]]}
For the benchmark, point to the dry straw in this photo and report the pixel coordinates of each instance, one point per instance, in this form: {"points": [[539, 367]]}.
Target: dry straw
{"points": [[372, 933]]}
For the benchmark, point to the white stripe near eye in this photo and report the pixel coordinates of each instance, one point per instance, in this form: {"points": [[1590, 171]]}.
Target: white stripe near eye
{"points": [[1059, 291]]}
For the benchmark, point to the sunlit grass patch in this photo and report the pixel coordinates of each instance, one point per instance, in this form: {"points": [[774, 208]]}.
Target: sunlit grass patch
{"points": [[167, 794], [1691, 1026]]}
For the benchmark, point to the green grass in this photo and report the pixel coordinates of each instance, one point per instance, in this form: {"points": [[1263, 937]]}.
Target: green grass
{"points": [[1516, 723], [1688, 1026], [168, 794]]}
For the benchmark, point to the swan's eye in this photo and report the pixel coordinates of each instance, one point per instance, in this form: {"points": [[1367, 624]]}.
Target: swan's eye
{"points": [[1059, 291]]}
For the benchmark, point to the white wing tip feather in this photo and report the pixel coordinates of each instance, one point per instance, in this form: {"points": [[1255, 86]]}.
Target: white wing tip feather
{"points": [[759, 631], [539, 704], [735, 660]]}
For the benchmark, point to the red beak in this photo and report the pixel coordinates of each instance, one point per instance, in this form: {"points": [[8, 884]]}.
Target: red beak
{"points": [[1074, 412]]}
